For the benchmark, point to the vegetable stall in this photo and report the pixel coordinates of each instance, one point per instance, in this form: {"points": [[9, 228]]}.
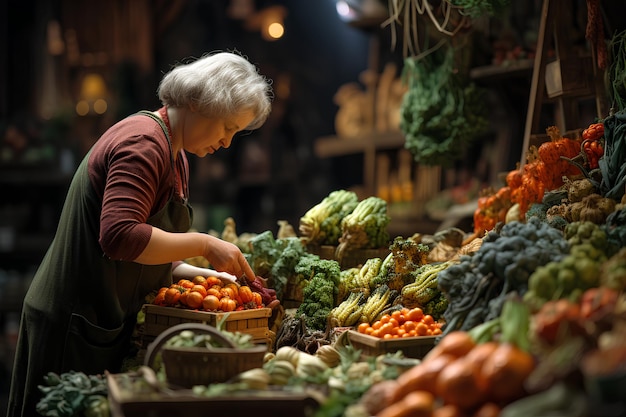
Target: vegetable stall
{"points": [[524, 315], [526, 318]]}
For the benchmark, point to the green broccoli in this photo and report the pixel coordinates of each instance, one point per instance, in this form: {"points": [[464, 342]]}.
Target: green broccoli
{"points": [[408, 254], [400, 266], [537, 210], [275, 259], [321, 279]]}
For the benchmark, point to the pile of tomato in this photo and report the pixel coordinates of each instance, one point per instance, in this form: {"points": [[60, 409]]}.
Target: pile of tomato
{"points": [[208, 294], [402, 323]]}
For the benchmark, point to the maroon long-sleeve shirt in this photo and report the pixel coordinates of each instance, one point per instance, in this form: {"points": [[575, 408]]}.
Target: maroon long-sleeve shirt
{"points": [[130, 168]]}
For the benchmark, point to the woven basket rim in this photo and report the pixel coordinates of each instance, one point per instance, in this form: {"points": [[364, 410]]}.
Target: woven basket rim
{"points": [[198, 349]]}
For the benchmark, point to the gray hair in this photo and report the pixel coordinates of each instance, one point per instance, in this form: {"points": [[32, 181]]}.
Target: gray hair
{"points": [[218, 84]]}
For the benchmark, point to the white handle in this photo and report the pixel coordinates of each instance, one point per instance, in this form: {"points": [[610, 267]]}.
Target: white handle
{"points": [[184, 270]]}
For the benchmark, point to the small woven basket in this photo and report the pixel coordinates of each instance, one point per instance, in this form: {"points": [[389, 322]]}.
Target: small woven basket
{"points": [[186, 367]]}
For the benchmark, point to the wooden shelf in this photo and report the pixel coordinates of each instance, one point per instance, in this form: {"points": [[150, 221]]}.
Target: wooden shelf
{"points": [[329, 146], [515, 68], [368, 145]]}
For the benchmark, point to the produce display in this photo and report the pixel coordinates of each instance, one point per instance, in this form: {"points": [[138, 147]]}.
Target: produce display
{"points": [[211, 294], [364, 227], [321, 224], [402, 323], [524, 315]]}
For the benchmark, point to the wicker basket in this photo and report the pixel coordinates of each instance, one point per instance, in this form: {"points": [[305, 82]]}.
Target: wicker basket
{"points": [[186, 367]]}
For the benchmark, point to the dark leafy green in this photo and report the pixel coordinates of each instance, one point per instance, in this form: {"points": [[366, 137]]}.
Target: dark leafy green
{"points": [[275, 259], [613, 163], [73, 394], [442, 114]]}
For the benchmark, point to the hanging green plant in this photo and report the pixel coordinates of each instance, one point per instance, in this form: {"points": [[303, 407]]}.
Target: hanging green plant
{"points": [[441, 113]]}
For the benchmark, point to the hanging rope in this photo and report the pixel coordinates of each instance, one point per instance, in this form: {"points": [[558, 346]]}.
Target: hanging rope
{"points": [[445, 18]]}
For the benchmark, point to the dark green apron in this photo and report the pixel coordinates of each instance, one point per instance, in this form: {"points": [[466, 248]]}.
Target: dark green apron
{"points": [[81, 308]]}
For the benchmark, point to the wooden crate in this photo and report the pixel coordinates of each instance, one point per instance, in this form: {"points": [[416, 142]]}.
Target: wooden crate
{"points": [[182, 403], [254, 322], [411, 347]]}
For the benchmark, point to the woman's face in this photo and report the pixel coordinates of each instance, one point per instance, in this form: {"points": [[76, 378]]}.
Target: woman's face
{"points": [[204, 135]]}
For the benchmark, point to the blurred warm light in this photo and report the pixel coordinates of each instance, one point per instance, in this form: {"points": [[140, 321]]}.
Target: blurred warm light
{"points": [[100, 106], [93, 87], [275, 30], [269, 21], [82, 107], [93, 92]]}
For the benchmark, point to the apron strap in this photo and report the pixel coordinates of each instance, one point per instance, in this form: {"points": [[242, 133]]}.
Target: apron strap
{"points": [[169, 140], [159, 121]]}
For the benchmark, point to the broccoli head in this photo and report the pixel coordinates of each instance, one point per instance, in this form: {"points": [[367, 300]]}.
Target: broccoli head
{"points": [[322, 277], [538, 210], [408, 254]]}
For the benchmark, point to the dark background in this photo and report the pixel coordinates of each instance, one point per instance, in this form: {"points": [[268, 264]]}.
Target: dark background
{"points": [[318, 53]]}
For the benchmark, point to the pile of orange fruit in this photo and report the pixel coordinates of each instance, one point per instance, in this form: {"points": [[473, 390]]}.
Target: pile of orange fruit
{"points": [[208, 294], [402, 323]]}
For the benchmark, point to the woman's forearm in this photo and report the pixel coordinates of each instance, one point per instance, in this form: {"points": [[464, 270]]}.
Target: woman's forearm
{"points": [[165, 247]]}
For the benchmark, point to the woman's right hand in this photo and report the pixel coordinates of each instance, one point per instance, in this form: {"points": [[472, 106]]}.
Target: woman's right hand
{"points": [[227, 257]]}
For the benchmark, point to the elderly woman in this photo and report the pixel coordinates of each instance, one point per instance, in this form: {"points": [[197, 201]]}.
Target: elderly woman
{"points": [[125, 224]]}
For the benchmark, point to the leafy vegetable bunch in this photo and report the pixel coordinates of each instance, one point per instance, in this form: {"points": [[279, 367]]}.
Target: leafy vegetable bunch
{"points": [[477, 286], [73, 393], [441, 113], [364, 227], [613, 163], [321, 224], [275, 259], [321, 285]]}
